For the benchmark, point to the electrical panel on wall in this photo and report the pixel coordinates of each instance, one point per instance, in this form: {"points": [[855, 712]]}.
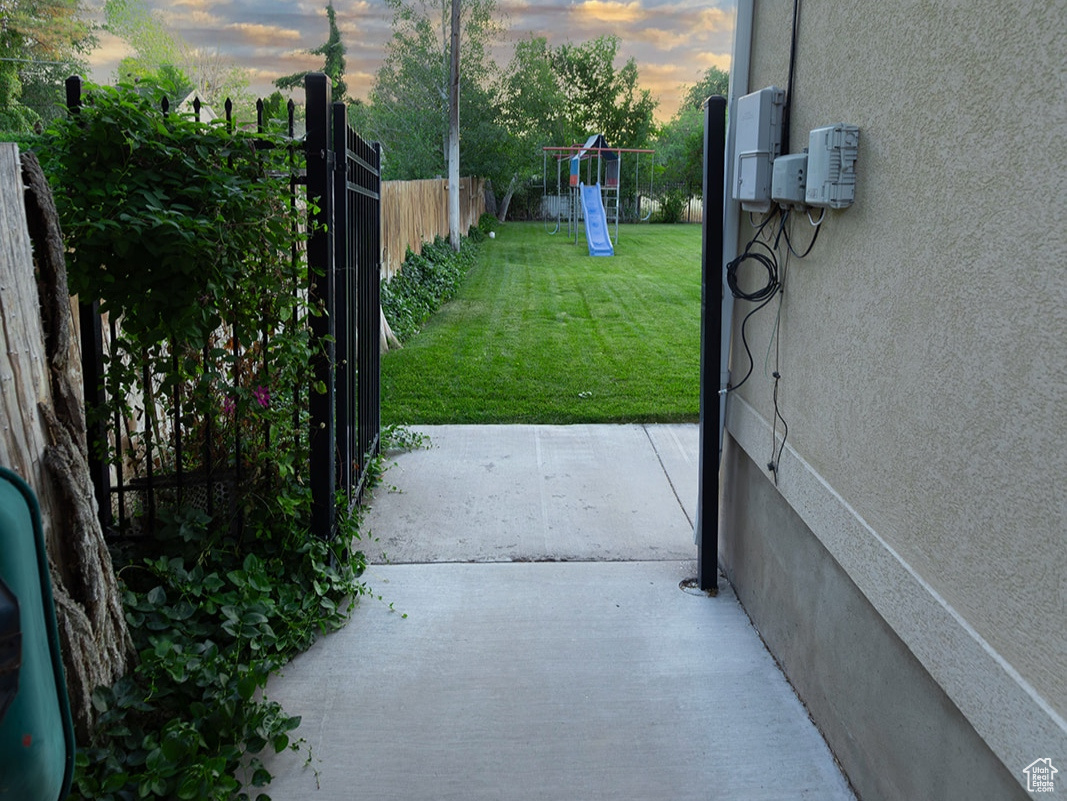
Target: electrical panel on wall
{"points": [[789, 181], [831, 180], [758, 144]]}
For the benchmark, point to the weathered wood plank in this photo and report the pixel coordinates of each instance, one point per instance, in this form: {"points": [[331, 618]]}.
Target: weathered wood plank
{"points": [[24, 382]]}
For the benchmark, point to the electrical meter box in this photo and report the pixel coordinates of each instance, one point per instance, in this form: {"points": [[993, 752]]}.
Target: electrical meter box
{"points": [[758, 143], [832, 152], [788, 180]]}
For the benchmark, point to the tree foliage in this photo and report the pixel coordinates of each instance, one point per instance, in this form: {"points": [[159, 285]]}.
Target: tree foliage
{"points": [[680, 145], [162, 58], [409, 102], [714, 82], [601, 98], [41, 42], [533, 106], [333, 53], [559, 96]]}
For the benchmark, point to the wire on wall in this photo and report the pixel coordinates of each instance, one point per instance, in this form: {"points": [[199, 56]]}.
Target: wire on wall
{"points": [[765, 251], [788, 108]]}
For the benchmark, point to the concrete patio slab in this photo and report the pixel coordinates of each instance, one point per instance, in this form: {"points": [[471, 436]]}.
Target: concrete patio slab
{"points": [[550, 650], [530, 493], [547, 681]]}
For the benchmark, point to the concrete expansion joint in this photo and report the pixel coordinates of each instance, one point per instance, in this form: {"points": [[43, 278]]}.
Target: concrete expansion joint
{"points": [[667, 474]]}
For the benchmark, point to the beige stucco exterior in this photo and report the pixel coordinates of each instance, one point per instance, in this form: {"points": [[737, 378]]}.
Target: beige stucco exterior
{"points": [[923, 342]]}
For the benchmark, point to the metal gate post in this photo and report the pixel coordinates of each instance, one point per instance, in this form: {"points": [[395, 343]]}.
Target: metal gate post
{"points": [[707, 519], [92, 348], [370, 307], [347, 365], [320, 251]]}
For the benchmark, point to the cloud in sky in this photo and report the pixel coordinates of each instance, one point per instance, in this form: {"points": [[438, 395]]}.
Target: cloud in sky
{"points": [[264, 35], [672, 41]]}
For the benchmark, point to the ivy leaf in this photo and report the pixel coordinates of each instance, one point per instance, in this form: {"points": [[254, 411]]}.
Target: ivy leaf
{"points": [[246, 687], [157, 596]]}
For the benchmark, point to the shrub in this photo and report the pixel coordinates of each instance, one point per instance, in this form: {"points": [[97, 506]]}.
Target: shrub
{"points": [[425, 282], [487, 223], [671, 206]]}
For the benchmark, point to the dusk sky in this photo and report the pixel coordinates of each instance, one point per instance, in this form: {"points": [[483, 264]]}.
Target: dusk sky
{"points": [[672, 41]]}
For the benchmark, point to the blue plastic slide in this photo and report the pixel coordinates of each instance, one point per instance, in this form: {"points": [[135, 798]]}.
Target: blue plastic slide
{"points": [[596, 222]]}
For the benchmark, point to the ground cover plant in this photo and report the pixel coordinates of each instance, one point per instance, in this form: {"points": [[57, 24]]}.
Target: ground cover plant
{"points": [[427, 280], [540, 332]]}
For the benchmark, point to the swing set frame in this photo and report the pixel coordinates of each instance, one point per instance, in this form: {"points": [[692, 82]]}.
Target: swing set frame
{"points": [[568, 205]]}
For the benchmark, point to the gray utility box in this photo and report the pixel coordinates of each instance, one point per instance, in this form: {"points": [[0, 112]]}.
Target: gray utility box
{"points": [[758, 143]]}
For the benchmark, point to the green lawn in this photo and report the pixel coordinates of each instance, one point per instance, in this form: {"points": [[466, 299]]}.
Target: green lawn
{"points": [[541, 332]]}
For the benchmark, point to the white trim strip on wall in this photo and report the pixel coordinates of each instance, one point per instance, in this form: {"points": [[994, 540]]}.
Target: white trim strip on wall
{"points": [[1016, 722]]}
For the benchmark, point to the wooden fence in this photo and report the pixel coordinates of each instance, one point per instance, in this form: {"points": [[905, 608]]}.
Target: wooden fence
{"points": [[414, 212]]}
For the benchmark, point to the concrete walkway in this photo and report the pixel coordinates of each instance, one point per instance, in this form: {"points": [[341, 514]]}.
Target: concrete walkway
{"points": [[550, 648]]}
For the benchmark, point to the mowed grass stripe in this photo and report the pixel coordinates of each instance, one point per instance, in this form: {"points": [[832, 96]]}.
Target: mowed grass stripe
{"points": [[540, 332]]}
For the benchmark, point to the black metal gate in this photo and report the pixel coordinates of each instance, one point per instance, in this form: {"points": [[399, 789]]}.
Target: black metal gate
{"points": [[343, 188], [344, 257]]}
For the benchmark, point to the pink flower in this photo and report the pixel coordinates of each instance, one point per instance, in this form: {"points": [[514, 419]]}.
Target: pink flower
{"points": [[228, 405], [262, 396]]}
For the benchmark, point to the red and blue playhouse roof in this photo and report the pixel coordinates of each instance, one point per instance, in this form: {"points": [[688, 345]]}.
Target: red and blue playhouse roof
{"points": [[594, 145]]}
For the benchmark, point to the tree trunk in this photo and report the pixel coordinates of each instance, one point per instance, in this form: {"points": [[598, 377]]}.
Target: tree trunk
{"points": [[453, 134], [503, 211], [387, 339], [43, 438]]}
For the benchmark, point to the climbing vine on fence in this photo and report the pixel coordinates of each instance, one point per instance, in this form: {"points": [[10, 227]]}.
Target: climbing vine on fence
{"points": [[190, 236]]}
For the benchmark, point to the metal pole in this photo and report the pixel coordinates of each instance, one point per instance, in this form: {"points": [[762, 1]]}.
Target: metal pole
{"points": [[344, 292], [322, 433], [707, 522]]}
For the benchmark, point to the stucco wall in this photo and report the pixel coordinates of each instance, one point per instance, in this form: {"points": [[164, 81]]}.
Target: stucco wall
{"points": [[924, 341]]}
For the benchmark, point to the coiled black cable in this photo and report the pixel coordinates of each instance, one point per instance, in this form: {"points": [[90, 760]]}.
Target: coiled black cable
{"points": [[766, 257]]}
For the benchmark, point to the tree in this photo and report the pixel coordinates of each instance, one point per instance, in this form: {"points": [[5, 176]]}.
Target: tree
{"points": [[714, 82], [333, 53], [600, 98], [533, 109], [216, 78], [164, 59], [408, 111], [562, 95], [680, 145], [41, 42]]}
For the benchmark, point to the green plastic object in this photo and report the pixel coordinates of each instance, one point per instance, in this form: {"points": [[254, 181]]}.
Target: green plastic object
{"points": [[36, 733], [10, 647]]}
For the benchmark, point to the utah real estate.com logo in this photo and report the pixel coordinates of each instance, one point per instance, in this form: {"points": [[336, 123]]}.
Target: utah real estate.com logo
{"points": [[1040, 776]]}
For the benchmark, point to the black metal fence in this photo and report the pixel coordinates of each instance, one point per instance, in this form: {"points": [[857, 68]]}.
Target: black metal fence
{"points": [[341, 405], [344, 178]]}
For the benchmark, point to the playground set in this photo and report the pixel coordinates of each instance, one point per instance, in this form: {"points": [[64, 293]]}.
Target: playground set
{"points": [[589, 204]]}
